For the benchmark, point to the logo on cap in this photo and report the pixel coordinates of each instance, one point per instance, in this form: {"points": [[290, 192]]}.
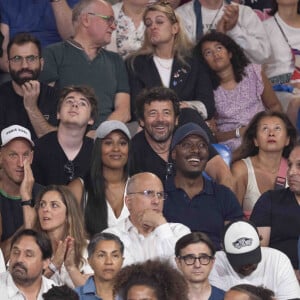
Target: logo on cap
{"points": [[242, 242]]}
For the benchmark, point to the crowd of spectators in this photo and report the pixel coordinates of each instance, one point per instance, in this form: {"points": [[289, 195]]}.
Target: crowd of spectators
{"points": [[115, 120]]}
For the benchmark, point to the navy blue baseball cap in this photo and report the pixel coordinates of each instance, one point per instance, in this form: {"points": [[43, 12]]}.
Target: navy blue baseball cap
{"points": [[186, 130]]}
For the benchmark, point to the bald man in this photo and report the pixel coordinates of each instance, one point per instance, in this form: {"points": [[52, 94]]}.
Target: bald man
{"points": [[146, 234]]}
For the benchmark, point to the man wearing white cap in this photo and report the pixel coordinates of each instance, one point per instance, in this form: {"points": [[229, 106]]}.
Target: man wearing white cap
{"points": [[17, 188], [245, 261], [62, 155]]}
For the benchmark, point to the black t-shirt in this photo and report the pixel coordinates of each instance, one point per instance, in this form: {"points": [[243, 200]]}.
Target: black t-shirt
{"points": [[12, 212], [12, 110], [280, 210], [51, 165], [145, 159]]}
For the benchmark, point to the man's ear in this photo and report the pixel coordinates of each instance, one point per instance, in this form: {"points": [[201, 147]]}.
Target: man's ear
{"points": [[128, 202], [46, 263], [42, 63], [141, 123], [178, 263], [91, 121]]}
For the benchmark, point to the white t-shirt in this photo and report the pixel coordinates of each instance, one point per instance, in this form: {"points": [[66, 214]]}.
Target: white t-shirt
{"points": [[280, 61], [274, 272]]}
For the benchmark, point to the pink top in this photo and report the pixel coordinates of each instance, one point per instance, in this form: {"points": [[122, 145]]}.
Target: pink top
{"points": [[237, 107]]}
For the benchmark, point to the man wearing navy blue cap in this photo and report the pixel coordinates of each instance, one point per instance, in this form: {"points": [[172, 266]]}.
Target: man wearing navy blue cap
{"points": [[193, 200]]}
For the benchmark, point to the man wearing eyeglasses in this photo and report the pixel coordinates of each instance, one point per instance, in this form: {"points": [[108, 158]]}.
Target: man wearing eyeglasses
{"points": [[83, 60], [146, 234], [24, 100], [195, 257], [193, 200]]}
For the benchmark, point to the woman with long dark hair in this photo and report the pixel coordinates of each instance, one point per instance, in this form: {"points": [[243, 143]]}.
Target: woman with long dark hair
{"points": [[101, 193], [266, 144]]}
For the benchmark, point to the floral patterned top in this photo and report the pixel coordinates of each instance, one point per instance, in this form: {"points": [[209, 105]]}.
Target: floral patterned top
{"points": [[235, 108], [128, 38]]}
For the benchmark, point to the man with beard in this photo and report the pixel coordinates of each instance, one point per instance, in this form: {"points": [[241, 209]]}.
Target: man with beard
{"points": [[24, 100], [30, 255], [158, 111], [193, 200], [17, 187]]}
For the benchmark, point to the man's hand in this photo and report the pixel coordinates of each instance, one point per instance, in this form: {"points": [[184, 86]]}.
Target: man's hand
{"points": [[150, 218], [229, 19], [28, 181], [31, 90]]}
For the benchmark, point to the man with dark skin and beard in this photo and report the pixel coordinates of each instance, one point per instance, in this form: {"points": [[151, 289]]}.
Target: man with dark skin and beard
{"points": [[193, 200], [24, 100], [30, 255]]}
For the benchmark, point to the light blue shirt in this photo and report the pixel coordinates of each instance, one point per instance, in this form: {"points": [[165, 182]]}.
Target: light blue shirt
{"points": [[88, 290]]}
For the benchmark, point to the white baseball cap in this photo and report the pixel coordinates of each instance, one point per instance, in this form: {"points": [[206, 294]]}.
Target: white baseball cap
{"points": [[13, 132], [242, 244]]}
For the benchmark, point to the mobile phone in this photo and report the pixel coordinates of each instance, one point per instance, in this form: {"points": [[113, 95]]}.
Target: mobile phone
{"points": [[228, 1]]}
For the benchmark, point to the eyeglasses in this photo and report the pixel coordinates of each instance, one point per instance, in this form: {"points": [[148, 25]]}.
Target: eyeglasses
{"points": [[151, 194], [30, 59], [191, 259], [187, 146], [110, 20], [69, 168]]}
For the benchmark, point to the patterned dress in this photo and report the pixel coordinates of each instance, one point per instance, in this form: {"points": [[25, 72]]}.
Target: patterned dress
{"points": [[236, 107]]}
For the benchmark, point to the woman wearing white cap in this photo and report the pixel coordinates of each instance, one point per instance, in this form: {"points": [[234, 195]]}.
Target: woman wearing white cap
{"points": [[101, 193]]}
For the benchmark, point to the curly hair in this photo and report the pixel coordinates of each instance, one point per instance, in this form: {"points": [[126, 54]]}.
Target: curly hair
{"points": [[74, 219], [274, 8], [182, 45], [248, 147], [62, 292], [254, 292], [159, 93], [166, 281], [238, 58]]}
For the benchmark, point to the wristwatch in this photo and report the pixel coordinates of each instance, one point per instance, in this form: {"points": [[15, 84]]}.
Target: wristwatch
{"points": [[28, 202]]}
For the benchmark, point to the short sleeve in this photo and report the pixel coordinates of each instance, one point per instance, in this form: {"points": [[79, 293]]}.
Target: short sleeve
{"points": [[261, 214]]}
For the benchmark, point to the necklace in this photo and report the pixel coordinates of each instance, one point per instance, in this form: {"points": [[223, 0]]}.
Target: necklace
{"points": [[214, 18], [164, 63]]}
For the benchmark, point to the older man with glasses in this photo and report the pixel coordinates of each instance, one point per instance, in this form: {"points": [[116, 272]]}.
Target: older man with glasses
{"points": [[146, 234], [83, 60]]}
